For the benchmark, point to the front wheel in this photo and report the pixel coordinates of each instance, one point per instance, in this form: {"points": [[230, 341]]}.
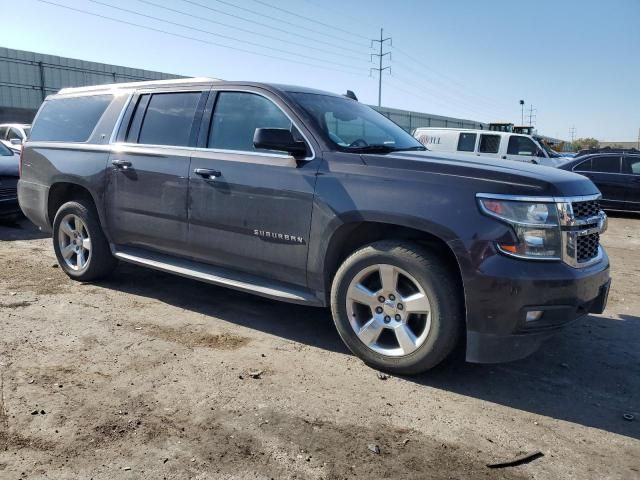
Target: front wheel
{"points": [[80, 245], [397, 307]]}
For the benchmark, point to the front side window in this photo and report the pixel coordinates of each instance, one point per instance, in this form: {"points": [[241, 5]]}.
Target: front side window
{"points": [[467, 142], [354, 127], [631, 164], [69, 119], [608, 164], [236, 117], [168, 119], [521, 146], [3, 132], [489, 143]]}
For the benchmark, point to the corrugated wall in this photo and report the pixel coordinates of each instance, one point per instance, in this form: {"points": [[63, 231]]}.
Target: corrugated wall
{"points": [[412, 120], [27, 77]]}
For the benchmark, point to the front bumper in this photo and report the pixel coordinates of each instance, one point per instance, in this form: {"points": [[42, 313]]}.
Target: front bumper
{"points": [[502, 290]]}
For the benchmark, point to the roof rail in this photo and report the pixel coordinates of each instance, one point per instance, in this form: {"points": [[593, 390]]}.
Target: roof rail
{"points": [[590, 151], [150, 83]]}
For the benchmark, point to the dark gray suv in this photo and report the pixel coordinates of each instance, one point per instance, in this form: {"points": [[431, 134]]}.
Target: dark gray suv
{"points": [[310, 197]]}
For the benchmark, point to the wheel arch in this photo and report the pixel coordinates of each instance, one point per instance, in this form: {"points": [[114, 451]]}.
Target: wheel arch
{"points": [[66, 191], [354, 234]]}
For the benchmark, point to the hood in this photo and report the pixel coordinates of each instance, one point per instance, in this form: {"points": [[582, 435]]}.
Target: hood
{"points": [[9, 165], [489, 175]]}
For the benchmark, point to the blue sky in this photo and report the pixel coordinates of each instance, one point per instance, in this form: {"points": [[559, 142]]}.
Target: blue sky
{"points": [[576, 61]]}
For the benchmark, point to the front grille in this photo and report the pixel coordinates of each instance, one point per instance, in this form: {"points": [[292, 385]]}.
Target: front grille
{"points": [[588, 209], [587, 247]]}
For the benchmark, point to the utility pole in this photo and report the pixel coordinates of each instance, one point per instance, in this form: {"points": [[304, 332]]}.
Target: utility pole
{"points": [[531, 115], [572, 131], [639, 139], [381, 56], [522, 111]]}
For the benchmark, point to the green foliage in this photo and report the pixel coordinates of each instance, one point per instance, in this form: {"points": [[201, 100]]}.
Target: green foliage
{"points": [[585, 143]]}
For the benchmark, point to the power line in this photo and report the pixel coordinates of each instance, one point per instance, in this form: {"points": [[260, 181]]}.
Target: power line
{"points": [[381, 56], [270, 17], [195, 39], [447, 78], [266, 25], [226, 37], [246, 30], [452, 96], [462, 106], [414, 94], [309, 19]]}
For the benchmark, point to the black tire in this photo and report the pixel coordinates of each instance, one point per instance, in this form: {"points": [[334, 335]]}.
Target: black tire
{"points": [[100, 261], [439, 284]]}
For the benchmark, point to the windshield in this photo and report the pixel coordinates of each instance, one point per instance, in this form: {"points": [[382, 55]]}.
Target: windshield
{"points": [[354, 127]]}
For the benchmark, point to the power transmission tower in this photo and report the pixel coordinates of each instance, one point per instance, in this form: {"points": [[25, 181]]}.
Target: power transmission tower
{"points": [[381, 56], [572, 131], [531, 115]]}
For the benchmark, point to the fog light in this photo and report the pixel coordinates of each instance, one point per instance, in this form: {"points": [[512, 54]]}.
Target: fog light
{"points": [[534, 315]]}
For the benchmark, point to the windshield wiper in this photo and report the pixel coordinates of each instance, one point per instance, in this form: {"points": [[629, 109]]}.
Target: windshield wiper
{"points": [[375, 148], [421, 148]]}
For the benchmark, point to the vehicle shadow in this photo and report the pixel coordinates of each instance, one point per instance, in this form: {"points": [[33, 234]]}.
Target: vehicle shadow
{"points": [[19, 229], [588, 375]]}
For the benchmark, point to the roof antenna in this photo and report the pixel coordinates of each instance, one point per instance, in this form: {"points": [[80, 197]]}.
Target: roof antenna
{"points": [[351, 95]]}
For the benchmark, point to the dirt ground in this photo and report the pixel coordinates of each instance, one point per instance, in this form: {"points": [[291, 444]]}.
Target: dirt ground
{"points": [[148, 376]]}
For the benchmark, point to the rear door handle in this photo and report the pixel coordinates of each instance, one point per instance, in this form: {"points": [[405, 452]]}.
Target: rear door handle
{"points": [[123, 164], [207, 173]]}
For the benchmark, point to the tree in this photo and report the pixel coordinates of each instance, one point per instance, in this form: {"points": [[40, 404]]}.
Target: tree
{"points": [[585, 143]]}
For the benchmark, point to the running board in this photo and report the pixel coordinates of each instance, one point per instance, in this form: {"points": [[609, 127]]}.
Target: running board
{"points": [[217, 276]]}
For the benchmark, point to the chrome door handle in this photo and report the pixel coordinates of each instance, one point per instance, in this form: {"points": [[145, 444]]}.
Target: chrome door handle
{"points": [[123, 164], [207, 173]]}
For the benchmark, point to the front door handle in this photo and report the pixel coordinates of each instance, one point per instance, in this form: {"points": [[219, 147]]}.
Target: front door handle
{"points": [[123, 164], [207, 173], [504, 157]]}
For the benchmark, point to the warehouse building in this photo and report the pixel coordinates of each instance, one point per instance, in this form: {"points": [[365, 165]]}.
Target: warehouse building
{"points": [[26, 78]]}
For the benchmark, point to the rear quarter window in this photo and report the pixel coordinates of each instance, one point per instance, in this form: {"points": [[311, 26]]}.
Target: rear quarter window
{"points": [[69, 119]]}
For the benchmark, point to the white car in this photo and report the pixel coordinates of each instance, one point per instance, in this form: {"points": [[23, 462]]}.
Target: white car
{"points": [[13, 135], [486, 143]]}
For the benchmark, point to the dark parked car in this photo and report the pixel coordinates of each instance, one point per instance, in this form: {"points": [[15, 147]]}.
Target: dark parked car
{"points": [[313, 198], [616, 173], [9, 166]]}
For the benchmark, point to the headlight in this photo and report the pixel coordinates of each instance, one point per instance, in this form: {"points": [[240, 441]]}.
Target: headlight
{"points": [[535, 224]]}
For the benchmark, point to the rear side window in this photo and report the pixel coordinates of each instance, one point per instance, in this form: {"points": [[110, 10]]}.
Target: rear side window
{"points": [[168, 119], [631, 164], [467, 142], [608, 164], [489, 143], [521, 146], [69, 119]]}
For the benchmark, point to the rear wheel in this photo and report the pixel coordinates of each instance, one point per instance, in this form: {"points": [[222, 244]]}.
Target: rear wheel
{"points": [[398, 307], [80, 245]]}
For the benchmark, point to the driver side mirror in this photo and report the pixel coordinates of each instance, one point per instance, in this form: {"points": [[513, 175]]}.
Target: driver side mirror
{"points": [[540, 153], [278, 139], [16, 141]]}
